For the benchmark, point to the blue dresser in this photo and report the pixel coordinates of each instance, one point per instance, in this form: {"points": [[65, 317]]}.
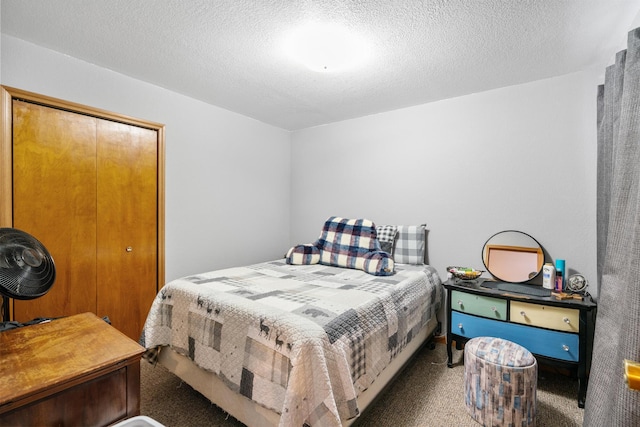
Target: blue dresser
{"points": [[557, 332]]}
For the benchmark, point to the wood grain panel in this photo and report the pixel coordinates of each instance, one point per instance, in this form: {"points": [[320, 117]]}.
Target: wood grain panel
{"points": [[127, 224], [54, 199], [49, 187], [6, 161], [100, 402], [77, 370]]}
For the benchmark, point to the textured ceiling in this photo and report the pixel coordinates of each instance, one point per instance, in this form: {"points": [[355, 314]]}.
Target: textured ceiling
{"points": [[229, 53]]}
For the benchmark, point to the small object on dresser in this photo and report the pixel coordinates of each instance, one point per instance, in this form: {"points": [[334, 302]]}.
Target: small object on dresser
{"points": [[559, 281], [576, 283], [564, 295], [465, 273], [548, 276], [561, 274]]}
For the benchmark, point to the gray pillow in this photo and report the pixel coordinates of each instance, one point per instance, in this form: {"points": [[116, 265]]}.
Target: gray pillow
{"points": [[387, 237], [410, 244]]}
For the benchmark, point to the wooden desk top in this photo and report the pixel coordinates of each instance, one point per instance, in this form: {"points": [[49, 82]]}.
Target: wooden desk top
{"points": [[38, 359]]}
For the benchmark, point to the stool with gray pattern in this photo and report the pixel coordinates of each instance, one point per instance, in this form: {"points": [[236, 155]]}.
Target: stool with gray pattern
{"points": [[500, 381]]}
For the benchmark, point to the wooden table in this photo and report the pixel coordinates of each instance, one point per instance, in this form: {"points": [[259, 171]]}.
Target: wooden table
{"points": [[76, 370]]}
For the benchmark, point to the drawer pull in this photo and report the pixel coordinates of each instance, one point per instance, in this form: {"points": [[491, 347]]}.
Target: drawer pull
{"points": [[494, 309], [567, 321], [460, 303], [523, 314], [565, 347], [459, 325]]}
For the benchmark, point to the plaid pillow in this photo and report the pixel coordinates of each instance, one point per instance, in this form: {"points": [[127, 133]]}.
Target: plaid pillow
{"points": [[349, 243], [345, 240], [410, 245], [303, 255], [387, 237]]}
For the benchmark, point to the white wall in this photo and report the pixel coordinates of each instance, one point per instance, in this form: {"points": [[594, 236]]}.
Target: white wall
{"points": [[227, 176], [634, 24], [0, 46], [521, 157]]}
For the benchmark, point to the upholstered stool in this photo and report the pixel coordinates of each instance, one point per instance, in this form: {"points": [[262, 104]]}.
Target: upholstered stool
{"points": [[500, 381]]}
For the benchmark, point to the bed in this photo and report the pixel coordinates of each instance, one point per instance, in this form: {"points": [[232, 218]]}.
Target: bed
{"points": [[292, 345]]}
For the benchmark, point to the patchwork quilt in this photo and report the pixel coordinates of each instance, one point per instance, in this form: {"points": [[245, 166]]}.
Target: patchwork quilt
{"points": [[302, 340]]}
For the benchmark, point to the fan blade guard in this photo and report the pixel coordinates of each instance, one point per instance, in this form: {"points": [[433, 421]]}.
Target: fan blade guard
{"points": [[27, 269]]}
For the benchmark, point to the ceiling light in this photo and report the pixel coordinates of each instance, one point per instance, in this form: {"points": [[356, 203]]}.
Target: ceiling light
{"points": [[326, 47]]}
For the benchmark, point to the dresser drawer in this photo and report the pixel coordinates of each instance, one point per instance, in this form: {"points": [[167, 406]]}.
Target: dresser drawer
{"points": [[558, 345], [545, 316], [492, 308]]}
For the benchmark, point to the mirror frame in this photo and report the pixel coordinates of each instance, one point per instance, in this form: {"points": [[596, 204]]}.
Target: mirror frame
{"points": [[524, 243]]}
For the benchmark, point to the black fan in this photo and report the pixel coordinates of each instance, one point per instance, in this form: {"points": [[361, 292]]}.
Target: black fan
{"points": [[27, 270]]}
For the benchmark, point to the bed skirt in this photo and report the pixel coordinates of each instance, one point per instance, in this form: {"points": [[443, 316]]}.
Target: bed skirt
{"points": [[252, 414]]}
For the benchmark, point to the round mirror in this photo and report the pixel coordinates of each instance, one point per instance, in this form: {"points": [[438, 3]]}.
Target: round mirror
{"points": [[513, 256]]}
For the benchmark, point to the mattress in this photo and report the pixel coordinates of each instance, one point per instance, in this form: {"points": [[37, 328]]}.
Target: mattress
{"points": [[301, 340]]}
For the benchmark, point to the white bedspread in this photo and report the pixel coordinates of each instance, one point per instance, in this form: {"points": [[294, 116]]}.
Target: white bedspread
{"points": [[303, 341]]}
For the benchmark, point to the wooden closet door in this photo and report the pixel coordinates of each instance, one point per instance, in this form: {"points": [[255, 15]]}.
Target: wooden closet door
{"points": [[54, 199], [127, 224]]}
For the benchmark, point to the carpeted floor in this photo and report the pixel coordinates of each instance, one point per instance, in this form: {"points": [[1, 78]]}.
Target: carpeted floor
{"points": [[426, 394]]}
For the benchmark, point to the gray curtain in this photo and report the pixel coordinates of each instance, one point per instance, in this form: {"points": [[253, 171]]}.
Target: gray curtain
{"points": [[617, 334]]}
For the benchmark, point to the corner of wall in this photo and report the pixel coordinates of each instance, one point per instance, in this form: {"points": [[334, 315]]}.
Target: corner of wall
{"points": [[636, 21]]}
